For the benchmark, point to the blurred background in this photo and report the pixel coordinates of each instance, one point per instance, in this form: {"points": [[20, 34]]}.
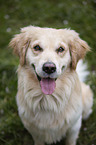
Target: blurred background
{"points": [[79, 15]]}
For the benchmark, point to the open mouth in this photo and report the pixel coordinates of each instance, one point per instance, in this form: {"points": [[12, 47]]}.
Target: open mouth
{"points": [[47, 85]]}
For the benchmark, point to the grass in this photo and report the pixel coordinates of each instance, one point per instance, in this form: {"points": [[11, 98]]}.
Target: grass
{"points": [[78, 15]]}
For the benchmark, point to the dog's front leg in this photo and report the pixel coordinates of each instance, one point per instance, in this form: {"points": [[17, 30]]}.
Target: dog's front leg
{"points": [[38, 143], [73, 132]]}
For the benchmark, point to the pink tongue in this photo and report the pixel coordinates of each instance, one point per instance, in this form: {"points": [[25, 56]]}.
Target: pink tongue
{"points": [[48, 86]]}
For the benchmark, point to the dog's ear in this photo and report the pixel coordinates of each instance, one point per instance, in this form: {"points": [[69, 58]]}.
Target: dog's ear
{"points": [[78, 49], [20, 44]]}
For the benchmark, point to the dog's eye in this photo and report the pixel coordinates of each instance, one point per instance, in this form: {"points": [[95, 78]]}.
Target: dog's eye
{"points": [[60, 49], [37, 48]]}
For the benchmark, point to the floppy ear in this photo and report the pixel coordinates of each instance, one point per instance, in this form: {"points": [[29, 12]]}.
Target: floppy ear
{"points": [[78, 49], [20, 44]]}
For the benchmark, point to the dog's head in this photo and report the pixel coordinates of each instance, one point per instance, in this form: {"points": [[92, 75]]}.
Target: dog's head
{"points": [[49, 51]]}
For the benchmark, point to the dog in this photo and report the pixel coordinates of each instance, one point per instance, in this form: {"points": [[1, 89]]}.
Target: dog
{"points": [[51, 99]]}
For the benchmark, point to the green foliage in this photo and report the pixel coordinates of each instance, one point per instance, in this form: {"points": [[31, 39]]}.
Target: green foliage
{"points": [[78, 15]]}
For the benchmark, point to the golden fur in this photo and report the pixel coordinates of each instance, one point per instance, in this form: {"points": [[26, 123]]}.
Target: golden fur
{"points": [[50, 117]]}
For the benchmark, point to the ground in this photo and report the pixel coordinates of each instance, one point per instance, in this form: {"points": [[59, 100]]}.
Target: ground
{"points": [[78, 15]]}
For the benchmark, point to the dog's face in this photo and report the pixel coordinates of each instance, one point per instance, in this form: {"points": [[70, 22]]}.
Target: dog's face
{"points": [[49, 51]]}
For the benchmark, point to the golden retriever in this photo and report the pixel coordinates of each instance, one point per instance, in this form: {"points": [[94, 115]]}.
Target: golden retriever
{"points": [[51, 99]]}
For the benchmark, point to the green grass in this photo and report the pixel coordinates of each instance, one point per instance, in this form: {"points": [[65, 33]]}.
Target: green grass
{"points": [[79, 15]]}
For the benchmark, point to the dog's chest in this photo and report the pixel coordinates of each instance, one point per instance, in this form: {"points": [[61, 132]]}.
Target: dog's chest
{"points": [[46, 126]]}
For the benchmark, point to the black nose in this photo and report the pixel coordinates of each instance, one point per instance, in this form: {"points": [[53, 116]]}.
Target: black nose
{"points": [[49, 67]]}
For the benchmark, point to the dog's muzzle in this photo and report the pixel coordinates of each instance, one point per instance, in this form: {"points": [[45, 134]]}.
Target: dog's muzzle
{"points": [[47, 83]]}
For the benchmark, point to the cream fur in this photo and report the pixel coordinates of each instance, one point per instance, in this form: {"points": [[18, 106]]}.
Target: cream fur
{"points": [[50, 117]]}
